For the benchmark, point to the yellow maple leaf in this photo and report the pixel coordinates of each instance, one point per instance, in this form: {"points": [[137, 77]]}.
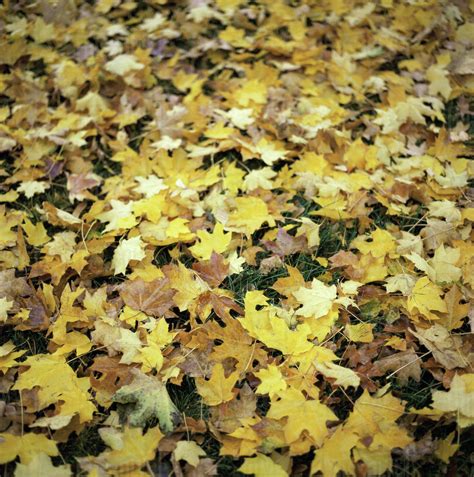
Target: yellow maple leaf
{"points": [[317, 300], [218, 241], [7, 222], [310, 230], [335, 454], [36, 234], [457, 311], [259, 178], [287, 285], [426, 298], [70, 390], [381, 244], [374, 417], [69, 313], [5, 306], [218, 388], [188, 451], [95, 105], [396, 342], [269, 152], [8, 356], [127, 250], [272, 330], [40, 466], [344, 377], [239, 117], [332, 207], [444, 265], [150, 357], [262, 466], [233, 178], [446, 447], [147, 399], [459, 399], [360, 333], [63, 245], [118, 339], [378, 455], [73, 341], [302, 415], [235, 37], [372, 414], [271, 381], [219, 131], [438, 76], [373, 269], [120, 216], [249, 215], [150, 186], [123, 64], [160, 334], [31, 188], [26, 447], [252, 91], [131, 448]]}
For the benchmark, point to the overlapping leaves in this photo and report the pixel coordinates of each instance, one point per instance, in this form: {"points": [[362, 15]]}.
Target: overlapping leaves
{"points": [[235, 234]]}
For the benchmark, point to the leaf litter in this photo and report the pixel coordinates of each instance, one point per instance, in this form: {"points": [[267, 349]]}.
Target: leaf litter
{"points": [[236, 237]]}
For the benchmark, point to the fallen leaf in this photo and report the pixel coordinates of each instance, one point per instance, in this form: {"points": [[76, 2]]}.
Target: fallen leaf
{"points": [[27, 447], [218, 388], [404, 365], [40, 466], [360, 333], [317, 300], [459, 399], [154, 298], [446, 347], [144, 399], [261, 466], [188, 451], [127, 250]]}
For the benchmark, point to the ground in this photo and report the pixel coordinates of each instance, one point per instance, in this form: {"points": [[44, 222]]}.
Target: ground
{"points": [[235, 238]]}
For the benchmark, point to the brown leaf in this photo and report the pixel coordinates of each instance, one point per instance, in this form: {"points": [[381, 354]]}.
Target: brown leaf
{"points": [[285, 244], [349, 262], [78, 185], [205, 468], [267, 265], [153, 298], [38, 318], [420, 449], [446, 347], [213, 271], [221, 304], [12, 287], [405, 365], [457, 311], [113, 375], [226, 417], [196, 363]]}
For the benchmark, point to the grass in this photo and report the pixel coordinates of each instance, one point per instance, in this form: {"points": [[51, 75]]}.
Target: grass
{"points": [[87, 442], [252, 279], [187, 400], [33, 342], [416, 394]]}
